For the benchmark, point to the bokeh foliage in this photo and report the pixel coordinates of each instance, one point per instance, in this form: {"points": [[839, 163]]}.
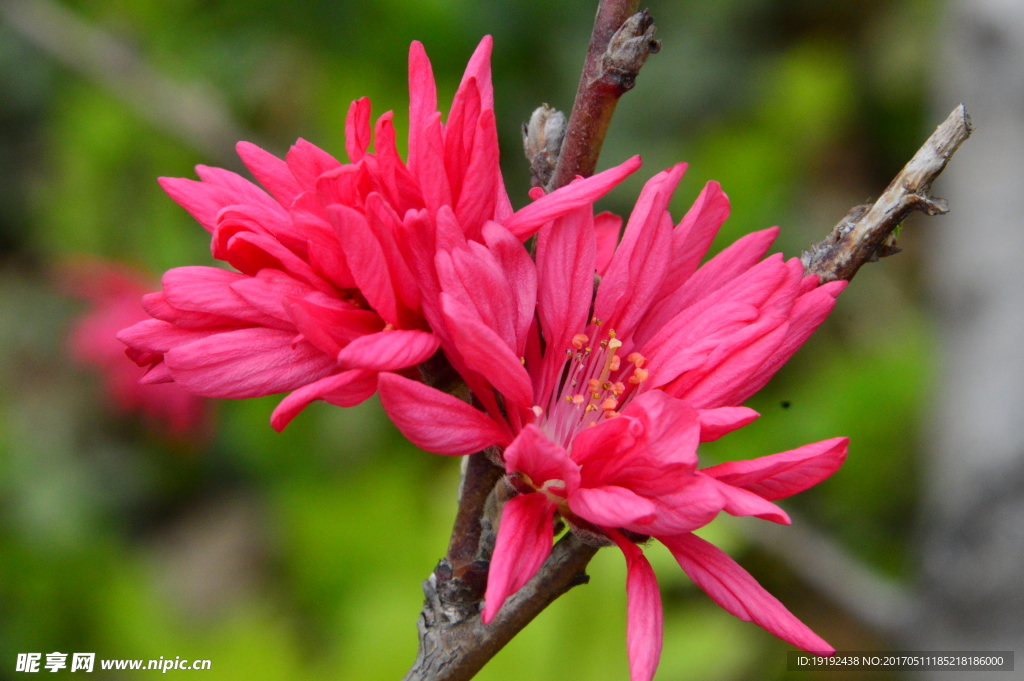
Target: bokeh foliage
{"points": [[300, 555]]}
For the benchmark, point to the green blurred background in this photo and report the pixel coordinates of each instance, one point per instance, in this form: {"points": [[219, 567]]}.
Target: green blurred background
{"points": [[300, 555]]}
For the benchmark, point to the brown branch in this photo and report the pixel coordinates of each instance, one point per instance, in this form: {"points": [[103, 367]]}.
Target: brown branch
{"points": [[862, 235], [619, 45], [457, 650]]}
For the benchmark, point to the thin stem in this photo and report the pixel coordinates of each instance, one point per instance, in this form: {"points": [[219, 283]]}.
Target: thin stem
{"points": [[619, 45], [861, 236]]}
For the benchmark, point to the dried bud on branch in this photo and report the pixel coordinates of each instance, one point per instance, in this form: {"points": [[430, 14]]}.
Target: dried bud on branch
{"points": [[542, 140]]}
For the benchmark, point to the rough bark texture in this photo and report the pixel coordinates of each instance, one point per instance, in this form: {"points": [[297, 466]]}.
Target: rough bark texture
{"points": [[861, 236], [972, 553], [456, 648], [619, 46]]}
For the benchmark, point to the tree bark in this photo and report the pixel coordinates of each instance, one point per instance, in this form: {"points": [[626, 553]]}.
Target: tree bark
{"points": [[972, 551]]}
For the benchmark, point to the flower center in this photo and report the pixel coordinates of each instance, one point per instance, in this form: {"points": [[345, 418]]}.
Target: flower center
{"points": [[596, 385]]}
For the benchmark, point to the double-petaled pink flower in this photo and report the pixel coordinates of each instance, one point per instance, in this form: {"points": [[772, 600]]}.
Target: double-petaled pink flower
{"points": [[335, 276], [114, 293], [600, 398]]}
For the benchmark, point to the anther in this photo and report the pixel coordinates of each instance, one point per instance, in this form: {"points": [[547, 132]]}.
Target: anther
{"points": [[538, 412], [636, 358], [593, 384], [616, 361], [579, 340], [577, 399], [639, 376], [609, 404]]}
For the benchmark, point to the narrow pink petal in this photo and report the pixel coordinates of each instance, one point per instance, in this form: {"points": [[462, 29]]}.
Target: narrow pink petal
{"points": [[270, 171], [533, 453], [366, 259], [781, 475], [566, 253], [459, 133], [201, 200], [357, 129], [158, 373], [388, 350], [714, 423], [644, 618], [671, 430], [308, 162], [153, 336], [473, 277], [611, 506], [269, 290], [808, 312], [736, 591], [400, 184], [251, 252], [693, 235], [486, 353], [638, 267], [726, 374], [523, 544], [520, 273], [691, 505], [422, 104], [157, 306], [329, 323], [386, 226], [689, 338], [529, 219], [479, 69], [477, 198], [607, 227], [259, 220], [346, 389], [244, 191], [430, 170], [435, 421], [740, 502], [734, 264], [247, 363], [326, 256]]}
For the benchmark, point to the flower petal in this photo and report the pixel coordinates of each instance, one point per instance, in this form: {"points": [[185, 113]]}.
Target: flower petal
{"points": [[346, 389], [736, 591], [436, 421], [607, 227], [247, 363], [523, 544], [740, 502], [533, 453], [644, 614], [485, 352], [532, 217], [270, 171], [784, 474], [611, 506], [388, 350], [714, 423]]}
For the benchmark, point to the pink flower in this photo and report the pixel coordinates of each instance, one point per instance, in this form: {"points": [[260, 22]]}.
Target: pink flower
{"points": [[115, 294], [335, 277], [600, 398]]}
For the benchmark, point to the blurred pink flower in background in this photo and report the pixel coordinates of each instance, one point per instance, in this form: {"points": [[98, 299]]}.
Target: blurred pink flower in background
{"points": [[600, 398], [336, 278], [114, 295]]}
